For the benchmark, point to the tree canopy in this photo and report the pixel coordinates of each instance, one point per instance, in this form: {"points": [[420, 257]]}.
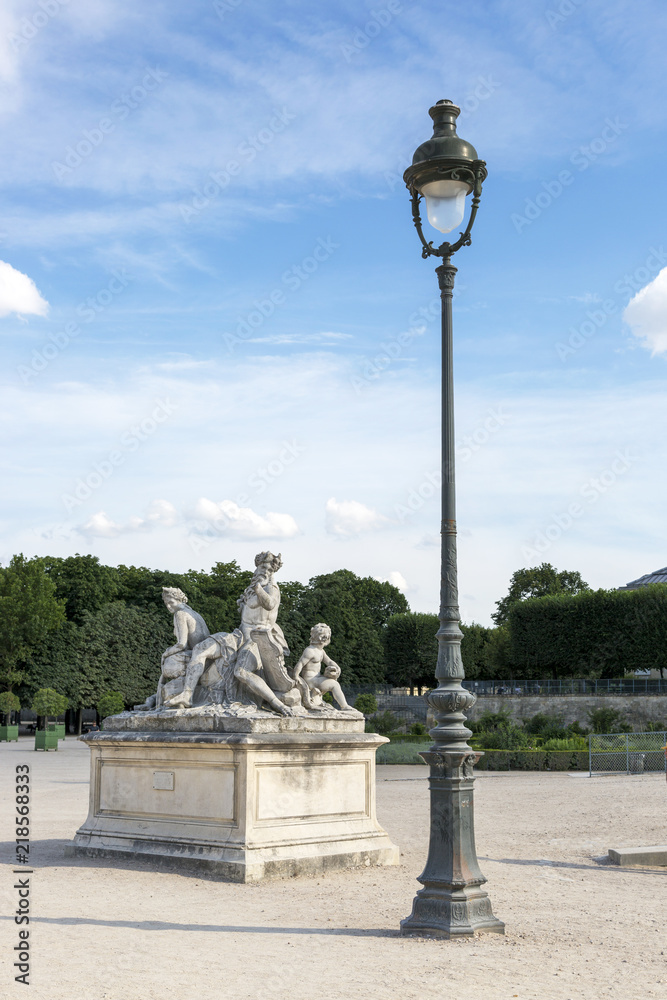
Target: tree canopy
{"points": [[29, 611], [538, 581], [412, 649]]}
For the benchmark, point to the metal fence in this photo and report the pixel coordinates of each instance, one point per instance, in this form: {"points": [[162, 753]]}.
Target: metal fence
{"points": [[570, 685], [563, 686], [408, 708], [629, 753]]}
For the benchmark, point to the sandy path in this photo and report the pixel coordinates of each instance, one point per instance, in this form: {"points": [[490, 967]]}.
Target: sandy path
{"points": [[575, 928]]}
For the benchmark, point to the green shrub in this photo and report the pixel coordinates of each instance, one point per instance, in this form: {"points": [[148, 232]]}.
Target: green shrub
{"points": [[648, 727], [578, 730], [546, 726], [400, 753], [489, 721], [110, 703], [574, 743], [383, 723], [508, 736], [366, 703], [608, 720], [48, 703], [419, 729]]}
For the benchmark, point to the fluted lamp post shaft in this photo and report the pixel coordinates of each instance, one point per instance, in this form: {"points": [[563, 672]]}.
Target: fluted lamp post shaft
{"points": [[452, 902]]}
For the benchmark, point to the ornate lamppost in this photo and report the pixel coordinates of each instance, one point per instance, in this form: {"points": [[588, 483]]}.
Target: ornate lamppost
{"points": [[452, 903]]}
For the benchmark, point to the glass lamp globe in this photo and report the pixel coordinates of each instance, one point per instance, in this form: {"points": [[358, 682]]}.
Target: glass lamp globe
{"points": [[445, 203]]}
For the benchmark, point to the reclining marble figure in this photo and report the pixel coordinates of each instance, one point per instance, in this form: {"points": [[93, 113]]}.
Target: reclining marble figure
{"points": [[258, 646]]}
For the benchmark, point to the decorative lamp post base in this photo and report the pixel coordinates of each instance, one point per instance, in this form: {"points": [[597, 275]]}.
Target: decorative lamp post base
{"points": [[452, 903]]}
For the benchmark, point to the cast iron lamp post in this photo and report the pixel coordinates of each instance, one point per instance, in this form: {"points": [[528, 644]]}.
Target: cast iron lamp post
{"points": [[444, 170]]}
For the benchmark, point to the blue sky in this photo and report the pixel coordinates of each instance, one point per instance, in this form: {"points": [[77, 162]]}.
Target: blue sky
{"points": [[218, 331]]}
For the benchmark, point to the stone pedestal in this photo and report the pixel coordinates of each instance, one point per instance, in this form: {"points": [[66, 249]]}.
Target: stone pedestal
{"points": [[244, 805]]}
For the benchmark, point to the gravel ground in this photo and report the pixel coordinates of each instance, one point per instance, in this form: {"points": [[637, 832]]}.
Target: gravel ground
{"points": [[577, 928]]}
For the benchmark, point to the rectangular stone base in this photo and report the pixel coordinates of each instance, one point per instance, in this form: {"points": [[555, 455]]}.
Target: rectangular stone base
{"points": [[655, 857], [243, 807]]}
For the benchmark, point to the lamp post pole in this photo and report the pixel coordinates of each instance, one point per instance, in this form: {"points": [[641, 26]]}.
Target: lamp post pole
{"points": [[452, 902]]}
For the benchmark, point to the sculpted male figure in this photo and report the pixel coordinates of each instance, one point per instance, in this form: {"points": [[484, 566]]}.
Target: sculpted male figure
{"points": [[258, 605], [311, 661]]}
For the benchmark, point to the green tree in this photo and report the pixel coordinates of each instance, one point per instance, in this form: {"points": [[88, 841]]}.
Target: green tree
{"points": [[29, 610], [411, 649], [365, 703], [83, 583], [48, 704], [57, 663], [538, 581], [120, 649], [474, 649], [9, 703], [110, 703], [356, 609]]}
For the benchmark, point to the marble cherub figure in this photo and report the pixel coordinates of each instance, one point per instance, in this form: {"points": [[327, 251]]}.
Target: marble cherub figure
{"points": [[310, 663]]}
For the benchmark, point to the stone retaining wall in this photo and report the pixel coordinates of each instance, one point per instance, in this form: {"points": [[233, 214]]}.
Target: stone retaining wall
{"points": [[636, 709]]}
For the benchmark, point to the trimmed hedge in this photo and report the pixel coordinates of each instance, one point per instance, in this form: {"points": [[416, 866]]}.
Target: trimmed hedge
{"points": [[591, 634], [533, 760], [493, 760]]}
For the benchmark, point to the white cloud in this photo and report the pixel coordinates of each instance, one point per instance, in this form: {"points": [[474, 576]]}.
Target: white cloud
{"points": [[226, 518], [349, 518], [396, 579], [18, 293], [100, 525], [646, 314], [160, 514]]}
